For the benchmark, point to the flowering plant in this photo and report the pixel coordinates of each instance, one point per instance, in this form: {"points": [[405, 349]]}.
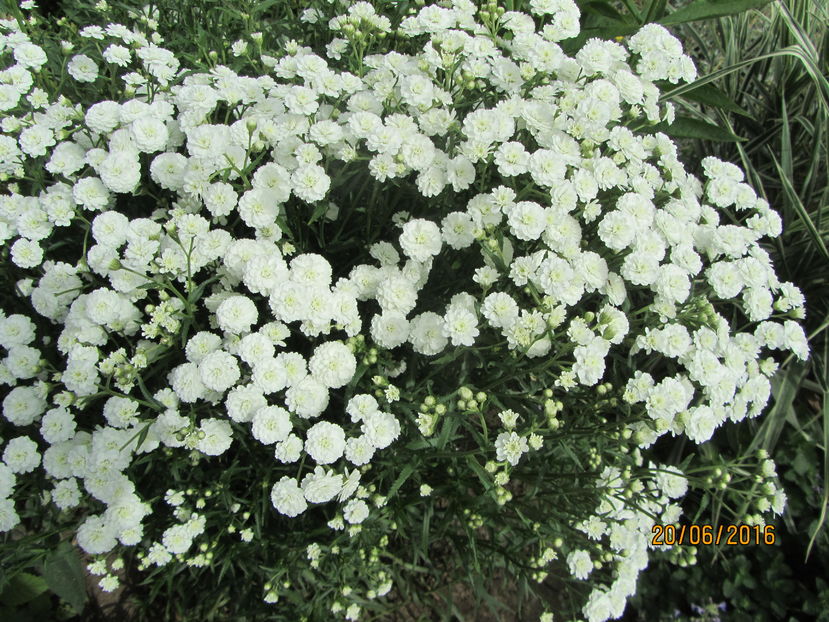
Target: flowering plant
{"points": [[301, 325]]}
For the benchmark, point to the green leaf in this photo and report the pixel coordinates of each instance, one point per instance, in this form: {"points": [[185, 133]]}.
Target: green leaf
{"points": [[319, 211], [610, 30], [784, 386], [794, 200], [655, 11], [23, 588], [688, 127], [710, 95], [476, 467], [401, 479], [603, 9], [63, 572], [706, 9]]}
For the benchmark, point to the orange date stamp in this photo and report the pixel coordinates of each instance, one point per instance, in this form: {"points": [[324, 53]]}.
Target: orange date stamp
{"points": [[730, 535]]}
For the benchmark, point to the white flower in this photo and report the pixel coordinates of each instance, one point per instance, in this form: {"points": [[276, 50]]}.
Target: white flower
{"points": [[289, 450], [177, 539], [66, 493], [23, 405], [30, 55], [149, 133], [617, 230], [310, 183], [527, 220], [167, 170], [333, 364], [458, 230], [397, 294], [307, 398], [460, 326], [389, 329], [9, 518], [590, 364], [120, 412], [510, 446], [220, 198], [219, 370], [117, 55], [217, 437], [321, 485], [361, 405], [325, 442], [700, 423], [236, 314], [511, 159], [36, 139], [381, 429], [96, 535], [426, 334], [91, 193], [186, 382], [288, 498], [82, 68], [420, 239], [7, 481], [201, 344], [271, 424], [500, 310], [355, 511], [242, 402], [579, 564], [359, 450], [21, 455], [672, 482], [16, 329]]}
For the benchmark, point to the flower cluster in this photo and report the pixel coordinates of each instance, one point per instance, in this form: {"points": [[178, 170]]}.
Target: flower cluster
{"points": [[204, 310]]}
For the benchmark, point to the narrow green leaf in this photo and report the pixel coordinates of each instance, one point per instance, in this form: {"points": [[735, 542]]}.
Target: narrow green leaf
{"points": [[603, 9], [319, 211], [794, 200], [401, 479], [688, 127], [655, 11], [706, 9], [785, 385], [609, 31], [485, 478], [824, 504], [785, 141], [710, 95], [63, 572]]}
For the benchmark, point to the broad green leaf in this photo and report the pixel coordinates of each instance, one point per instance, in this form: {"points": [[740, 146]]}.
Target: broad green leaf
{"points": [[687, 127], [23, 587], [706, 9], [63, 572]]}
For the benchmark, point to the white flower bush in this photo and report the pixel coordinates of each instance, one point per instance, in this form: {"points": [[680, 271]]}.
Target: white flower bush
{"points": [[288, 292]]}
